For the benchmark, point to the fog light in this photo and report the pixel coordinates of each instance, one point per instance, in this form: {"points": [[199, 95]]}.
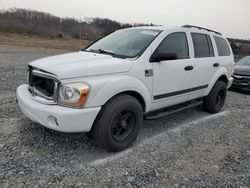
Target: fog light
{"points": [[52, 121]]}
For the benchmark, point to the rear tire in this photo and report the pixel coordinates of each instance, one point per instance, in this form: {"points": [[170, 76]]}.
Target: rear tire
{"points": [[118, 123], [215, 101]]}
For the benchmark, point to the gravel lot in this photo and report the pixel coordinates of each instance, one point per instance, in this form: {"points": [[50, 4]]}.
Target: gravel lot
{"points": [[189, 149]]}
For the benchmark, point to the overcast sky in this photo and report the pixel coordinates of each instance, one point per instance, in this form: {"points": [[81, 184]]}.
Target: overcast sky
{"points": [[231, 17]]}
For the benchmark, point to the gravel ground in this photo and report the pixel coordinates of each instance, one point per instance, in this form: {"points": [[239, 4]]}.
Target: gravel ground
{"points": [[188, 149]]}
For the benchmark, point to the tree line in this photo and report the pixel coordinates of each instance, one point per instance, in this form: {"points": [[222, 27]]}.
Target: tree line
{"points": [[240, 46], [31, 22]]}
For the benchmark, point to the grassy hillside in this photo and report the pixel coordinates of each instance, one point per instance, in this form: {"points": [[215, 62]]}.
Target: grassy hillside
{"points": [[67, 44], [21, 27]]}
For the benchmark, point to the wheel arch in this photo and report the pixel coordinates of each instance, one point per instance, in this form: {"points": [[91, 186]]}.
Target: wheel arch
{"points": [[224, 79], [121, 85], [134, 94], [222, 75]]}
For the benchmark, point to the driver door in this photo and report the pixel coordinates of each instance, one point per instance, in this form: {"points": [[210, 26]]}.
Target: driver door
{"points": [[173, 79]]}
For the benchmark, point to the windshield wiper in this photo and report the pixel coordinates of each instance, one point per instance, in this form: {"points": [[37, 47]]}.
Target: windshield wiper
{"points": [[102, 51]]}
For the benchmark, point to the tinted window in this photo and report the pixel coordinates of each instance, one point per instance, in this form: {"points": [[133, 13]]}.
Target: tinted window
{"points": [[222, 46], [245, 61], [202, 45], [177, 43]]}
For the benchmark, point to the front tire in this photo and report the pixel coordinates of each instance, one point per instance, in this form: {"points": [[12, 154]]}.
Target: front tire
{"points": [[118, 123], [215, 101]]}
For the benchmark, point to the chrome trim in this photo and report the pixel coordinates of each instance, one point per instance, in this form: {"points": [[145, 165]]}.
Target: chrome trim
{"points": [[40, 97], [43, 100], [244, 84], [40, 94], [240, 76], [27, 76], [44, 75], [56, 91]]}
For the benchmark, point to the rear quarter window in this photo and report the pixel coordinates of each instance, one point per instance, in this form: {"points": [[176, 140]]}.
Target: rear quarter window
{"points": [[222, 46]]}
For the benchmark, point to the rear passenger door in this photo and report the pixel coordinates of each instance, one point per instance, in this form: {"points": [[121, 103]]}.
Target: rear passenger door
{"points": [[205, 63]]}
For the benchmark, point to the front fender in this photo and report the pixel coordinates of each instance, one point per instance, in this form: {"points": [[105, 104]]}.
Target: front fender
{"points": [[220, 72], [103, 89]]}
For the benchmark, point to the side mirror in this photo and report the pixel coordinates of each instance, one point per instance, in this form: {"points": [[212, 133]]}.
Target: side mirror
{"points": [[163, 56]]}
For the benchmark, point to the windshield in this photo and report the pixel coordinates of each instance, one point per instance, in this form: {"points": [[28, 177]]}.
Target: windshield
{"points": [[245, 61], [128, 43]]}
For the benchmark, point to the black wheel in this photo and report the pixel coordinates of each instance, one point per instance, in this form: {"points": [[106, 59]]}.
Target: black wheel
{"points": [[118, 124], [215, 101]]}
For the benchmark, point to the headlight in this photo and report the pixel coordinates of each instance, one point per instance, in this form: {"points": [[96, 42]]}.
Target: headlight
{"points": [[73, 94], [68, 92]]}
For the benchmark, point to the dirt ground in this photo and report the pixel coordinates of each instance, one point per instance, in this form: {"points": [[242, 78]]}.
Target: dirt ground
{"points": [[191, 148], [66, 44]]}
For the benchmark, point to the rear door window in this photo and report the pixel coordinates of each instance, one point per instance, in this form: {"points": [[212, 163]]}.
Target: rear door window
{"points": [[202, 45], [222, 46]]}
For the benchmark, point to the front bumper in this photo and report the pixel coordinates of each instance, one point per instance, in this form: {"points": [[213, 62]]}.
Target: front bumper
{"points": [[239, 86], [56, 117], [242, 85]]}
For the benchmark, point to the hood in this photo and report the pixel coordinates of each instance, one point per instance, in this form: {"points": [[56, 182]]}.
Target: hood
{"points": [[242, 70], [81, 64]]}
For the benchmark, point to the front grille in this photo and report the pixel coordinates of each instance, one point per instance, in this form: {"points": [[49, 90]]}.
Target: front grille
{"points": [[241, 79], [42, 84]]}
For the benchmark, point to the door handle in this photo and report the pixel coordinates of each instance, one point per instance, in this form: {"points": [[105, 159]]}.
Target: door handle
{"points": [[216, 64], [188, 68]]}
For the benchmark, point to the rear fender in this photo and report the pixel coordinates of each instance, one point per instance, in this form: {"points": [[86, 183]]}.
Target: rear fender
{"points": [[220, 72]]}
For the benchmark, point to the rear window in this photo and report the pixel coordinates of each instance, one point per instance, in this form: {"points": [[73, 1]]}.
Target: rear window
{"points": [[222, 46], [202, 45]]}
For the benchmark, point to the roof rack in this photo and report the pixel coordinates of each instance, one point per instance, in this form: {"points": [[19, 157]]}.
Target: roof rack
{"points": [[193, 26]]}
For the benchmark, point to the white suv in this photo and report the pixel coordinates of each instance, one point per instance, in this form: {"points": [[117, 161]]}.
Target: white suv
{"points": [[109, 87]]}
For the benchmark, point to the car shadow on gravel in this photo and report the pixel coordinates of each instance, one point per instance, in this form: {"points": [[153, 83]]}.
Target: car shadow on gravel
{"points": [[80, 148], [154, 127]]}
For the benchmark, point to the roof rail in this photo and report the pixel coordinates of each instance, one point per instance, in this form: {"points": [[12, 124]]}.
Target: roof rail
{"points": [[193, 26]]}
